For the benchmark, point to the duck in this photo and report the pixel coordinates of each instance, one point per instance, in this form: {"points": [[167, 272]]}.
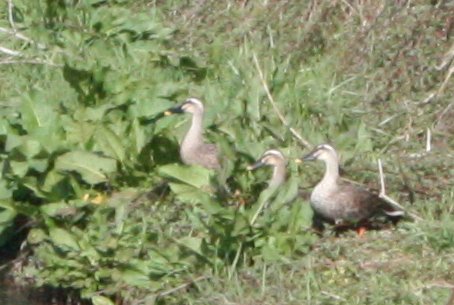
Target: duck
{"points": [[342, 202], [275, 159], [193, 149]]}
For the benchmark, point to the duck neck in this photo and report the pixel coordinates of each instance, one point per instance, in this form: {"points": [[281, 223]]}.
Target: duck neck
{"points": [[194, 135], [279, 175], [331, 173]]}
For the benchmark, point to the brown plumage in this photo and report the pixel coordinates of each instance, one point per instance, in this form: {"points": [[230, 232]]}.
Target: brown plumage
{"points": [[342, 202], [193, 149]]}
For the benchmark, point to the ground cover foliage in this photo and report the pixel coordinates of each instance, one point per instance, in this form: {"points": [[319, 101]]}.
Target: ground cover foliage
{"points": [[90, 165]]}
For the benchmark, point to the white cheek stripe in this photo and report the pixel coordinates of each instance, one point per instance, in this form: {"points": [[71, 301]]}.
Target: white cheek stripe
{"points": [[195, 102], [273, 152]]}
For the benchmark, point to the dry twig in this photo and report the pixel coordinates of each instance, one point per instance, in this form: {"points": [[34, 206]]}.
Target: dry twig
{"points": [[447, 60], [388, 199], [10, 15], [9, 51]]}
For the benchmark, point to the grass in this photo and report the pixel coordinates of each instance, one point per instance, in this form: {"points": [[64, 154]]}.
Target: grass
{"points": [[412, 263], [409, 264]]}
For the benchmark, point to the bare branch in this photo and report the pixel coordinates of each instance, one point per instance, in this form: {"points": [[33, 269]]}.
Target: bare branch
{"points": [[18, 35], [182, 286], [447, 58], [29, 61], [445, 82], [382, 178], [10, 52], [10, 15], [428, 140], [442, 87], [388, 199], [276, 109]]}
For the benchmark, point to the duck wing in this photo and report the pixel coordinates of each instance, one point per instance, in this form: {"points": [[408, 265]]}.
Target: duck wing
{"points": [[209, 156], [360, 204]]}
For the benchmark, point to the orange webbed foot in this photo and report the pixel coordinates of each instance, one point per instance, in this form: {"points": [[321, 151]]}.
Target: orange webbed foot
{"points": [[361, 231]]}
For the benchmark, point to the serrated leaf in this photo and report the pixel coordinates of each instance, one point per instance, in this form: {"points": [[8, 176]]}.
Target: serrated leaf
{"points": [[91, 167]]}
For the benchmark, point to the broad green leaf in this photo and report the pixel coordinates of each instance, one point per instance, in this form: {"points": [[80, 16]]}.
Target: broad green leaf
{"points": [[101, 300], [91, 167], [78, 132], [64, 239], [35, 114], [270, 252], [110, 143], [196, 176], [29, 147], [35, 236], [363, 142], [190, 194], [120, 215], [5, 192], [57, 208], [287, 192], [139, 136], [6, 216], [3, 127], [135, 278], [13, 141], [19, 168], [149, 107], [39, 165], [52, 179], [192, 243], [95, 114]]}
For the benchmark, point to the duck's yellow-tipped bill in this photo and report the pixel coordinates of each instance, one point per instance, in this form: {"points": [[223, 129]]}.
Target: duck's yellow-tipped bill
{"points": [[168, 112]]}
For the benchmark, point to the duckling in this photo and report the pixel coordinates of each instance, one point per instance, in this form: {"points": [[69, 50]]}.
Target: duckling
{"points": [[275, 159], [193, 150], [342, 202]]}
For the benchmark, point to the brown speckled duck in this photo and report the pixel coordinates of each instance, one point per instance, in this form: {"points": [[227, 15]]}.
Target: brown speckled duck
{"points": [[193, 150], [342, 202], [275, 159]]}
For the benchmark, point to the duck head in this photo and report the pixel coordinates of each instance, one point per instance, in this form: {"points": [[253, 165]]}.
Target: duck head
{"points": [[324, 152], [270, 157], [191, 105]]}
